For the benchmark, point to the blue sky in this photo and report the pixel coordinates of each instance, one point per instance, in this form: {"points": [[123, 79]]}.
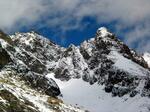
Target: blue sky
{"points": [[73, 21], [76, 36]]}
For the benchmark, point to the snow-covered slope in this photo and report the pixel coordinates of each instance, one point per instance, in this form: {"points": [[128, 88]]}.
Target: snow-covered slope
{"points": [[95, 99], [102, 74], [146, 57]]}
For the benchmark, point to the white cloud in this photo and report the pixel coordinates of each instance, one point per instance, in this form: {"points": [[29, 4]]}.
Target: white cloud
{"points": [[139, 37], [19, 11], [138, 32], [68, 14]]}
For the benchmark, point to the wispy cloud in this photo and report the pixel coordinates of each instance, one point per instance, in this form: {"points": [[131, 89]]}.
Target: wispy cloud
{"points": [[68, 14], [139, 37]]}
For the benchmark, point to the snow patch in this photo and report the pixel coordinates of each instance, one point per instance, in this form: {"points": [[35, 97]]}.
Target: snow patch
{"points": [[3, 43], [103, 31], [126, 64], [146, 57]]}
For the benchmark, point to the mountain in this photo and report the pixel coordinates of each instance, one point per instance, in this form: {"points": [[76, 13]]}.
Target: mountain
{"points": [[23, 86], [102, 74]]}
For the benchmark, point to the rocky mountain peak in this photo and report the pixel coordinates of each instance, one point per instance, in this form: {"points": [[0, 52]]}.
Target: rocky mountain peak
{"points": [[103, 32], [31, 38]]}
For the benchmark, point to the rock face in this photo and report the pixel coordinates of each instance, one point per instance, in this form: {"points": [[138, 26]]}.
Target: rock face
{"points": [[14, 104], [17, 96], [49, 85], [103, 59], [27, 65], [5, 58]]}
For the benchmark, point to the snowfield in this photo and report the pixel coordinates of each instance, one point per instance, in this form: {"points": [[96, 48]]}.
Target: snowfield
{"points": [[95, 99]]}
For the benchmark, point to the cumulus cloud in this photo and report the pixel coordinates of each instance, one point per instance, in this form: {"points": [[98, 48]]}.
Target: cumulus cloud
{"points": [[68, 14], [19, 12]]}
